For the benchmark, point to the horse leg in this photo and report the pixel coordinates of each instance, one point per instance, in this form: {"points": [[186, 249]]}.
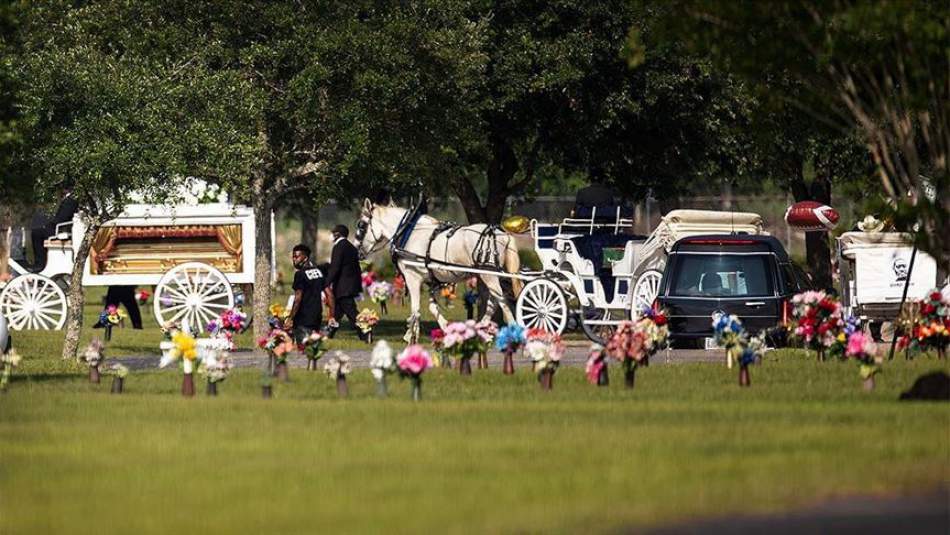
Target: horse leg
{"points": [[414, 288], [497, 297], [434, 307]]}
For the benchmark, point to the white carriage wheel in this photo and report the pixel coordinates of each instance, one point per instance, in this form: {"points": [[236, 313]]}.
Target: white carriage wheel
{"points": [[542, 305], [192, 294], [645, 290], [33, 302]]}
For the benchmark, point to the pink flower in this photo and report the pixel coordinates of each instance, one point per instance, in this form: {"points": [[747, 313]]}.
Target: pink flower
{"points": [[414, 360]]}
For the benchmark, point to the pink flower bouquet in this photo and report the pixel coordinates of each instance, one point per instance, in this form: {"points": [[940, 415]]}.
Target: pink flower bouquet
{"points": [[862, 348], [412, 363]]}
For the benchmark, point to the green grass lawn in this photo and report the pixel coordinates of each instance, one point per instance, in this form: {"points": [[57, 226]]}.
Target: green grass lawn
{"points": [[489, 453]]}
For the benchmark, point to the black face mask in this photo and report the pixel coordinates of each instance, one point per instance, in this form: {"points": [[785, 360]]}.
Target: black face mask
{"points": [[301, 263]]}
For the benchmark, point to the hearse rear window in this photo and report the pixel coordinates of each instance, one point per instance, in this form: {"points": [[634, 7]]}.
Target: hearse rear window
{"points": [[722, 275]]}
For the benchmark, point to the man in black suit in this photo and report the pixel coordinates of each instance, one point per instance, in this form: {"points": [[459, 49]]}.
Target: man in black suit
{"points": [[345, 278]]}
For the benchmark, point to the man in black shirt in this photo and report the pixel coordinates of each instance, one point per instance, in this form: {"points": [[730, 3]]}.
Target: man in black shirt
{"points": [[309, 284]]}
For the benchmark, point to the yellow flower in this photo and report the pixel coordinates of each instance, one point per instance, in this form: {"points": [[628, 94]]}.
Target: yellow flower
{"points": [[185, 346], [278, 311], [842, 338]]}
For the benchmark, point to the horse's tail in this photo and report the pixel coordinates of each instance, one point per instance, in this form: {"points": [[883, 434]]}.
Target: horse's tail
{"points": [[513, 265]]}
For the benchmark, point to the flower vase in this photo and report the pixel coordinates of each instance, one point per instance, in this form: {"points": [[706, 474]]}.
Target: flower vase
{"points": [[868, 383], [212, 389], [272, 365], [509, 366], [342, 389], [546, 378], [94, 374], [603, 379], [416, 388], [382, 391], [382, 308], [188, 385], [108, 332], [465, 365], [446, 360], [117, 385], [942, 352], [630, 376], [267, 391], [820, 354], [482, 361], [744, 379], [311, 364], [369, 337], [281, 372]]}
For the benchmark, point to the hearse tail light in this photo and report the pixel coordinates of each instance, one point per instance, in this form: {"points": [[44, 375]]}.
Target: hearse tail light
{"points": [[786, 311]]}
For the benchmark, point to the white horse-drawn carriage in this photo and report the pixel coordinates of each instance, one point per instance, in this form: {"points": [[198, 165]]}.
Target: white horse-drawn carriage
{"points": [[193, 254], [573, 282], [602, 294]]}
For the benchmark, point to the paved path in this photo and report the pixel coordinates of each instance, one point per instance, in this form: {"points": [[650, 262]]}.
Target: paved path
{"points": [[576, 355]]}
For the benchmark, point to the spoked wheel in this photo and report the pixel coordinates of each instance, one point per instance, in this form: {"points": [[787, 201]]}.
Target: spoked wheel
{"points": [[33, 302], [192, 294], [646, 289], [542, 304], [601, 332]]}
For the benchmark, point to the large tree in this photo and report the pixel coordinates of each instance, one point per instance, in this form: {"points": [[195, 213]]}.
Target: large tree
{"points": [[269, 99], [114, 108], [877, 66]]}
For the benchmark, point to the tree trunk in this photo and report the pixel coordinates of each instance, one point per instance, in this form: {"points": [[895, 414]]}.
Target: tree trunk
{"points": [[75, 293], [309, 223], [262, 204], [817, 249]]}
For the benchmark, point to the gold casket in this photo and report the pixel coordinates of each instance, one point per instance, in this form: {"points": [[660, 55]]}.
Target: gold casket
{"points": [[157, 249]]}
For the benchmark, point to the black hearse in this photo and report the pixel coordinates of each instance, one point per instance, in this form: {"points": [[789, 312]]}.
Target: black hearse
{"points": [[750, 276]]}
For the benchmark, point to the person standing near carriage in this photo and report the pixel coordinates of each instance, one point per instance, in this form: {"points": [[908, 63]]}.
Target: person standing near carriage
{"points": [[346, 279], [306, 314]]}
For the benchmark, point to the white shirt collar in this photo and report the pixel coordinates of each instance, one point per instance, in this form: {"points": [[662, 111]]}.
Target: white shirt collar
{"points": [[337, 240]]}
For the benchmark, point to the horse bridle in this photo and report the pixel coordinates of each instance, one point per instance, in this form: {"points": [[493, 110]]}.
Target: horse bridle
{"points": [[361, 227]]}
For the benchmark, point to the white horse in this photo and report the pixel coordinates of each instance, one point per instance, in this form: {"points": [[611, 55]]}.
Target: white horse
{"points": [[474, 246]]}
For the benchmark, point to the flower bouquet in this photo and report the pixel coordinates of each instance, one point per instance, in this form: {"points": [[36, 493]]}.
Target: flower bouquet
{"points": [[412, 362], [817, 321], [509, 341], [462, 339], [10, 359], [225, 326], [278, 345], [448, 294], [380, 292], [367, 278], [141, 297], [655, 326], [730, 334], [110, 317], [632, 346], [485, 331], [381, 364], [215, 368], [312, 348], [119, 373], [184, 348], [437, 336], [862, 349], [596, 367], [545, 351], [92, 357], [338, 367], [927, 324], [366, 320]]}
